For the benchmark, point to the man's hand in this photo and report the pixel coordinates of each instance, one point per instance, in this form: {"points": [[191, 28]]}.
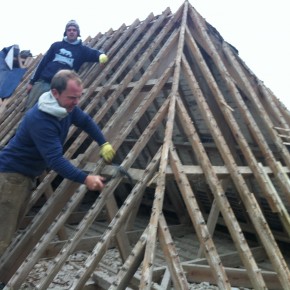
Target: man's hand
{"points": [[107, 152], [28, 88], [95, 182], [103, 58]]}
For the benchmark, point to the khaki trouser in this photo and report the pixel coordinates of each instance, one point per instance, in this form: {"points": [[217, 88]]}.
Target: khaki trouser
{"points": [[15, 192]]}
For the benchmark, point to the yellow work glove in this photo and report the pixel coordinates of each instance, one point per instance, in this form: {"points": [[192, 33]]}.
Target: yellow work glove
{"points": [[107, 152], [103, 58]]}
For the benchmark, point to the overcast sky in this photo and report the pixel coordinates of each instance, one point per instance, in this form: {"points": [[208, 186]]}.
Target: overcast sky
{"points": [[259, 29]]}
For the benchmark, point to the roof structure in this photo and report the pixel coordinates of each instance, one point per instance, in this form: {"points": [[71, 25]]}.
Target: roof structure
{"points": [[206, 144]]}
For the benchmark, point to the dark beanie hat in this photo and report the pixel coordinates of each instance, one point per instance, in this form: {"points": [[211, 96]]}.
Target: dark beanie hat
{"points": [[15, 52], [72, 23]]}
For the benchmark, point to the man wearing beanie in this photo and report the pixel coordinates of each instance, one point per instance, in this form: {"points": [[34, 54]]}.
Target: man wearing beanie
{"points": [[70, 53]]}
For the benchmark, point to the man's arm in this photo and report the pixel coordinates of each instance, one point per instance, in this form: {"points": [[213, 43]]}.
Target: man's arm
{"points": [[42, 64], [86, 123]]}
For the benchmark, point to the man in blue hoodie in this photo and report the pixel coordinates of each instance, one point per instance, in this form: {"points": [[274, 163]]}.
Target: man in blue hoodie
{"points": [[70, 53], [38, 145]]}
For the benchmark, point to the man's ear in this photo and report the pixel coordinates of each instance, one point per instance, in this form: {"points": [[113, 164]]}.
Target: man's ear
{"points": [[55, 93]]}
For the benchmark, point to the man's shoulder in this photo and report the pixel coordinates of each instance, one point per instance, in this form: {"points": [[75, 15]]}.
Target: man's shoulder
{"points": [[77, 111], [78, 114], [60, 43]]}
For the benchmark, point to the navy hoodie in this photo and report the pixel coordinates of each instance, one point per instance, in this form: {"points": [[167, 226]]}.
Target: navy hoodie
{"points": [[64, 55], [38, 143]]}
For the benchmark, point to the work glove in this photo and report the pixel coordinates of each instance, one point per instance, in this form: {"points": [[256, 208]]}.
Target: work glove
{"points": [[103, 58], [107, 152]]}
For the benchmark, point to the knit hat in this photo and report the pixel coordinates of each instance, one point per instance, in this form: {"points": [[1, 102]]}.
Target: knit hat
{"points": [[72, 23]]}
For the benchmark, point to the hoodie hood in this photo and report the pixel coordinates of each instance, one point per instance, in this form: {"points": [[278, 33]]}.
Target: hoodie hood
{"points": [[76, 42], [47, 103]]}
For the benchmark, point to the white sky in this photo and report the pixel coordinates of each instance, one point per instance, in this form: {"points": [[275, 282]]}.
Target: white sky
{"points": [[258, 29]]}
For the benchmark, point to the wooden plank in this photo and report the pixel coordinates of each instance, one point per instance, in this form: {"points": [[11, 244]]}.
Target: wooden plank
{"points": [[148, 262], [233, 259], [131, 264], [166, 280], [190, 170], [212, 218], [121, 237], [198, 221], [2, 105], [219, 193], [277, 204], [237, 277], [88, 243], [176, 201], [48, 193], [171, 256]]}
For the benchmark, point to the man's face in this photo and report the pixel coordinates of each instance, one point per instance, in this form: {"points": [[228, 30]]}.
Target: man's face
{"points": [[71, 33], [70, 97]]}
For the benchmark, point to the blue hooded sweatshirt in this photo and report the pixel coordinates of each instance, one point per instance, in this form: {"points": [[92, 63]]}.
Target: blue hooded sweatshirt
{"points": [[38, 142], [64, 55]]}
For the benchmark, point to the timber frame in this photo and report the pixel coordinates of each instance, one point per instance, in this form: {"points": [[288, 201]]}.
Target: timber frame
{"points": [[206, 143]]}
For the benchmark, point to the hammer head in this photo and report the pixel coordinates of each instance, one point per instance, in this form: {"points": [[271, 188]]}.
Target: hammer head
{"points": [[122, 171]]}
